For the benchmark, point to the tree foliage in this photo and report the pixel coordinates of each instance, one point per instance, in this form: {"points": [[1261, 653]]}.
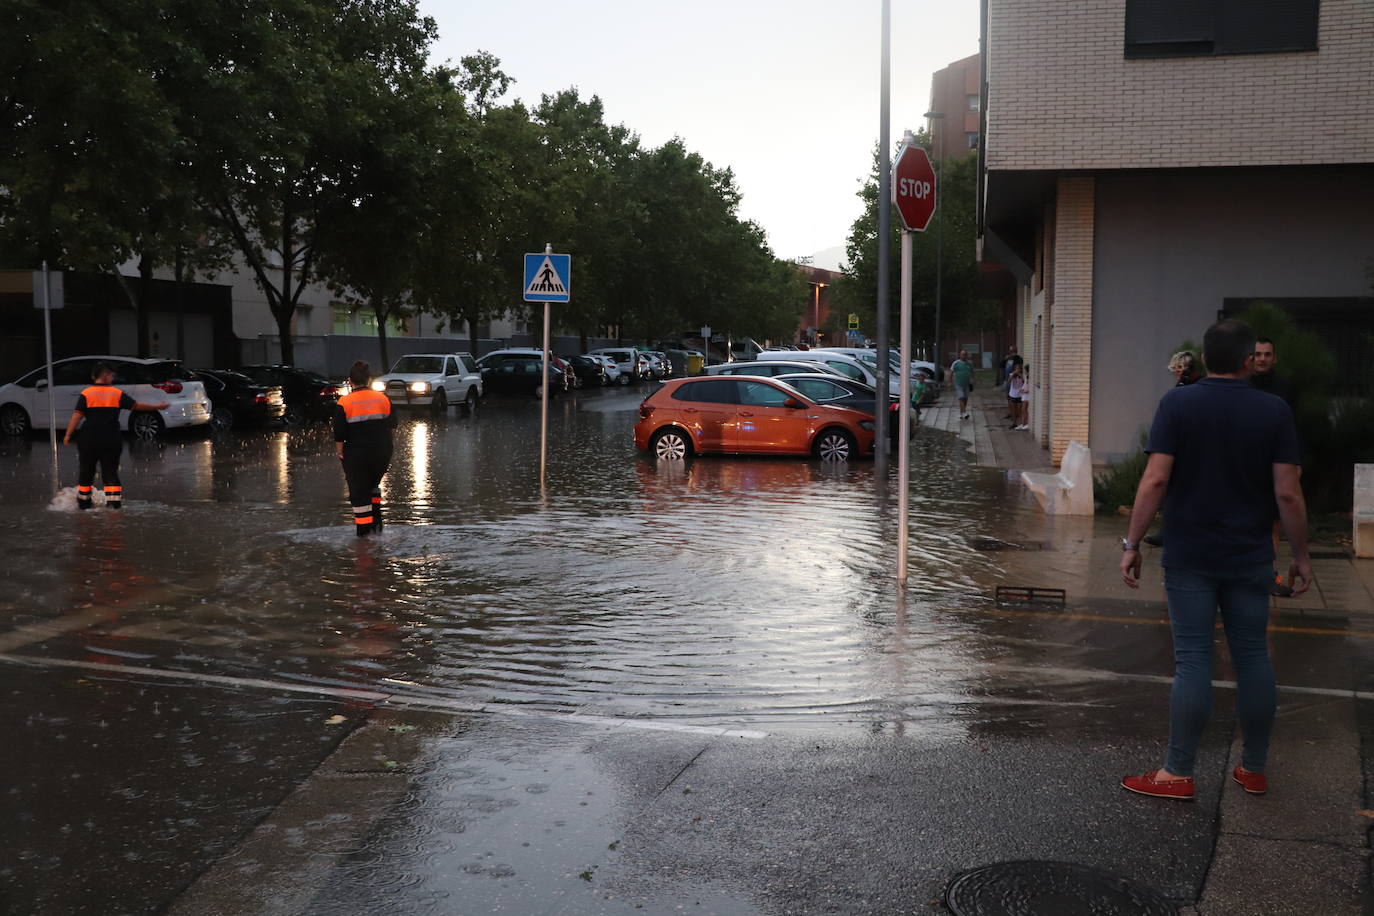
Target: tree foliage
{"points": [[314, 140]]}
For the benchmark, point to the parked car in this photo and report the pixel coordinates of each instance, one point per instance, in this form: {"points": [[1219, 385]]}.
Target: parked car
{"points": [[520, 375], [309, 396], [433, 380], [237, 400], [664, 368], [566, 383], [24, 402], [844, 392], [747, 415], [610, 370], [633, 364], [768, 368], [590, 372]]}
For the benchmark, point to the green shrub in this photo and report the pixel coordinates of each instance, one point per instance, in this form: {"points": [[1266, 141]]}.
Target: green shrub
{"points": [[1116, 486]]}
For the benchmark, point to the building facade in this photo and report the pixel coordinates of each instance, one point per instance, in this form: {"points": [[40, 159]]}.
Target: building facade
{"points": [[1149, 166], [955, 94]]}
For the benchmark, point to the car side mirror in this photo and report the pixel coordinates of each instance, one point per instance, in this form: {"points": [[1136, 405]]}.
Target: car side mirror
{"points": [[793, 403], [41, 383]]}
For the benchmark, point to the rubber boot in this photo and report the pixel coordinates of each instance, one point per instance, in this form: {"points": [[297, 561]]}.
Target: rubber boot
{"points": [[114, 497], [83, 498], [377, 510]]}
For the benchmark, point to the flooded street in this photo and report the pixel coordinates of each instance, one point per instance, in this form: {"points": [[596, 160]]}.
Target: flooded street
{"points": [[507, 682]]}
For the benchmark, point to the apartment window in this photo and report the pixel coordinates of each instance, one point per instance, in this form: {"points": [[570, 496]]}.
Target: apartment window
{"points": [[972, 138], [972, 101], [343, 319], [1201, 28]]}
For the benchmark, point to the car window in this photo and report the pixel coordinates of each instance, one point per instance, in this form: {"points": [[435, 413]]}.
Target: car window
{"points": [[73, 372], [818, 389], [164, 372], [757, 394], [430, 365], [715, 391], [845, 369], [32, 378], [211, 382], [468, 364]]}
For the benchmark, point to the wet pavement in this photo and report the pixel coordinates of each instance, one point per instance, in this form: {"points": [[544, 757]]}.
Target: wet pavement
{"points": [[644, 688]]}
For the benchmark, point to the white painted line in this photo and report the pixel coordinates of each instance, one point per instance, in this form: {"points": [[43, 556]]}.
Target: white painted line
{"points": [[409, 701], [1101, 674]]}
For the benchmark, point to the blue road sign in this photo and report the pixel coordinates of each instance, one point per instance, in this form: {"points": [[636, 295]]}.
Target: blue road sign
{"points": [[548, 277]]}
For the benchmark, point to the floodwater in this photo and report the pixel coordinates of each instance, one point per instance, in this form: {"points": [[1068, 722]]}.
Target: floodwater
{"points": [[722, 591]]}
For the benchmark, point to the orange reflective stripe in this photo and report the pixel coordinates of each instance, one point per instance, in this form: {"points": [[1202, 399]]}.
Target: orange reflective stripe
{"points": [[102, 396], [362, 519], [81, 489], [365, 405], [114, 489]]}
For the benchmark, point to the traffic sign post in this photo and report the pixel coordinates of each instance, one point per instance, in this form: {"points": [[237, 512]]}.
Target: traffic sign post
{"points": [[914, 194], [548, 279], [51, 299]]}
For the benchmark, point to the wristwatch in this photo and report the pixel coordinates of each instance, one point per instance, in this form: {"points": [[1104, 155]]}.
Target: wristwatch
{"points": [[1127, 545]]}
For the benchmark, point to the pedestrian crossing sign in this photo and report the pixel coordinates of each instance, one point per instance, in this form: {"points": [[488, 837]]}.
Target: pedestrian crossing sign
{"points": [[548, 277]]}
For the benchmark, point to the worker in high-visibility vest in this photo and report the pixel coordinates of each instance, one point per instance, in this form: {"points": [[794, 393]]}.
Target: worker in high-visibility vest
{"points": [[362, 438], [98, 442]]}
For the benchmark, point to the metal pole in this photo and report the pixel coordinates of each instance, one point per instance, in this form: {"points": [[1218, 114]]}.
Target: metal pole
{"points": [[904, 416], [884, 243], [52, 403], [939, 240], [544, 397]]}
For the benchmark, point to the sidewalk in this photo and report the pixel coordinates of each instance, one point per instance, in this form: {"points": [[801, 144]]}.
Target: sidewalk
{"points": [[993, 443]]}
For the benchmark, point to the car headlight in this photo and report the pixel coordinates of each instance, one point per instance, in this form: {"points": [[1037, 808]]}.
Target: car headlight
{"points": [[379, 385], [419, 387], [866, 424]]}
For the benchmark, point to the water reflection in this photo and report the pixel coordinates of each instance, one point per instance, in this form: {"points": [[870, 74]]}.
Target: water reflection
{"points": [[420, 495]]}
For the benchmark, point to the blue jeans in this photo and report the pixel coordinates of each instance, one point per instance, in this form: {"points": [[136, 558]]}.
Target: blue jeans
{"points": [[1243, 597]]}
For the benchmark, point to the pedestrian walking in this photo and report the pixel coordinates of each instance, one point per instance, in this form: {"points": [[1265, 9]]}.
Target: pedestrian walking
{"points": [[961, 371], [362, 438], [1267, 378], [98, 439], [1016, 387], [1223, 458], [1010, 363]]}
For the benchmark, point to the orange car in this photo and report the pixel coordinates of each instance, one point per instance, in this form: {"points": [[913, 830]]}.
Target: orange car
{"points": [[748, 415]]}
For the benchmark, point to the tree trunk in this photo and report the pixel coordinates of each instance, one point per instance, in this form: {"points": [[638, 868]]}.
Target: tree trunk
{"points": [[286, 301], [582, 340], [286, 344], [380, 312], [145, 287], [179, 271], [472, 338]]}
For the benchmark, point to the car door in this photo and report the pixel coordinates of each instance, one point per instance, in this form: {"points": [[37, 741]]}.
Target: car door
{"points": [[765, 424], [69, 378], [707, 409], [453, 379]]}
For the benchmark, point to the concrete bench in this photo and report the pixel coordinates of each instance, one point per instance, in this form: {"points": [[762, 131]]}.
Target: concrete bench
{"points": [[1070, 492], [1362, 512]]}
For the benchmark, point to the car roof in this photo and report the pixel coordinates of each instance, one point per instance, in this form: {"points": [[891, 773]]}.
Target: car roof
{"points": [[452, 353], [144, 360]]}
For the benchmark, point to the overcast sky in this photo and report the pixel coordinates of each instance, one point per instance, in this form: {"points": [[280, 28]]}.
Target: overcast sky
{"points": [[785, 92]]}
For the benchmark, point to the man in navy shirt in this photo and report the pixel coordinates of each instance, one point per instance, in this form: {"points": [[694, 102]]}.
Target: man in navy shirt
{"points": [[1224, 462]]}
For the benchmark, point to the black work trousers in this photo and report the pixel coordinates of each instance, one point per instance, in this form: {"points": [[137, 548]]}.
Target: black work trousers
{"points": [[363, 469], [98, 450]]}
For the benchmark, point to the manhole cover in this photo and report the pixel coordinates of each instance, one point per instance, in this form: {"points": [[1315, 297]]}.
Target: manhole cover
{"points": [[1050, 889]]}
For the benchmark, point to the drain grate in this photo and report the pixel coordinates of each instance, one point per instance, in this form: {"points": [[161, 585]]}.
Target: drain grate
{"points": [[1032, 595], [994, 544], [1031, 888]]}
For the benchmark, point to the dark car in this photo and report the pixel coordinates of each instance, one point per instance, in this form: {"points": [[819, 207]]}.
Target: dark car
{"points": [[838, 391], [589, 372], [308, 395], [237, 400], [520, 375]]}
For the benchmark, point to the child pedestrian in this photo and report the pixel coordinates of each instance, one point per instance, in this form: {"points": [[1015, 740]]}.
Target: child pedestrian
{"points": [[1016, 382], [1025, 398]]}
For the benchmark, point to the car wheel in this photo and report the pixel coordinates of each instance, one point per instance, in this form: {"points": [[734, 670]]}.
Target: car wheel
{"points": [[470, 402], [146, 425], [834, 445], [624, 378], [294, 415], [221, 419], [14, 420], [670, 445], [439, 403]]}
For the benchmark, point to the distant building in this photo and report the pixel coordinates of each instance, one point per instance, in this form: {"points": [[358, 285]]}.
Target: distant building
{"points": [[815, 314], [955, 92], [1149, 166]]}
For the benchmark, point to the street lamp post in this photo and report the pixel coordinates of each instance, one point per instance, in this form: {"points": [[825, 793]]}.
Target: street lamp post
{"points": [[880, 420], [939, 230]]}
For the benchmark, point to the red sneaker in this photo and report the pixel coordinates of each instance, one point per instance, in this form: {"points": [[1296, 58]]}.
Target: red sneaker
{"points": [[1181, 789], [1254, 783]]}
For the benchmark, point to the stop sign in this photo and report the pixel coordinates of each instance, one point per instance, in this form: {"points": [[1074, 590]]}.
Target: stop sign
{"points": [[913, 187]]}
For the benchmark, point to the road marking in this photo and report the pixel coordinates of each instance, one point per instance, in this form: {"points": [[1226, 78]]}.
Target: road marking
{"points": [[1164, 622], [440, 703], [1102, 674]]}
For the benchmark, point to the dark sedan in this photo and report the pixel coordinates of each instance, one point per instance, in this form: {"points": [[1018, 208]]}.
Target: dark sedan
{"points": [[590, 373], [838, 391], [236, 400], [520, 375], [308, 395]]}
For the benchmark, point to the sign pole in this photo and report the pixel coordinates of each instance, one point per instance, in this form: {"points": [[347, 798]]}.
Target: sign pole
{"points": [[544, 398], [52, 402], [904, 416], [884, 244]]}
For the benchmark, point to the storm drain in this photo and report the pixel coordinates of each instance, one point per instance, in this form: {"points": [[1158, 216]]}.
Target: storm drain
{"points": [[1031, 888], [988, 544], [1031, 596]]}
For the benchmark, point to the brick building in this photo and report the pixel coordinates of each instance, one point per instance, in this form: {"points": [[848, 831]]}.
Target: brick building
{"points": [[955, 93], [1152, 164]]}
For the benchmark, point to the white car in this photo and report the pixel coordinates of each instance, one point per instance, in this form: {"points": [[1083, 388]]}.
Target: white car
{"points": [[24, 403], [633, 364], [848, 366], [433, 380], [612, 370]]}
